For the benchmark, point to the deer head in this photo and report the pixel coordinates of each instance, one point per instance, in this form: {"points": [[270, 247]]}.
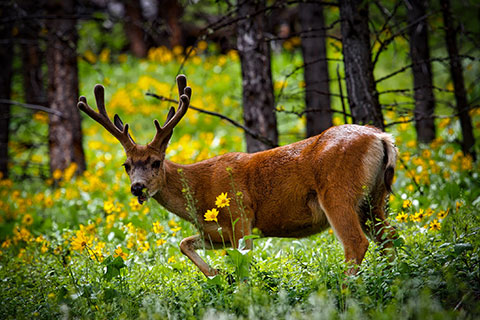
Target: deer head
{"points": [[145, 163]]}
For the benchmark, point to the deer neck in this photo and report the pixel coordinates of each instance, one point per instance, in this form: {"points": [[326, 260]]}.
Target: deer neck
{"points": [[170, 194]]}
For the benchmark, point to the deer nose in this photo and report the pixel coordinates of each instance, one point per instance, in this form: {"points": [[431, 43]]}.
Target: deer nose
{"points": [[137, 188]]}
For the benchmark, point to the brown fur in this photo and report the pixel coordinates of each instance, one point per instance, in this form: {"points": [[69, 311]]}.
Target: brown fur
{"points": [[290, 191]]}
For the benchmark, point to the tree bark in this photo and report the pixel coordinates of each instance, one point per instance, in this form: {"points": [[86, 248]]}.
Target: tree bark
{"points": [[6, 60], [65, 133], [456, 71], [258, 100], [32, 55], [133, 28], [361, 89], [317, 91], [422, 70]]}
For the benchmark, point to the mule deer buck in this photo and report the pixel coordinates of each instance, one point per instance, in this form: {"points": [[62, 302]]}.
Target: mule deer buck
{"points": [[338, 179]]}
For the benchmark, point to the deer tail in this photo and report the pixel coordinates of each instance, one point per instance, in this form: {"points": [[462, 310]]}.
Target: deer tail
{"points": [[390, 153]]}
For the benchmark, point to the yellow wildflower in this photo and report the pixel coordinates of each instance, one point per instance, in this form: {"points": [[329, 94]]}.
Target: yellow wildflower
{"points": [[22, 234], [458, 204], [110, 220], [172, 223], [435, 225], [406, 204], [108, 206], [134, 205], [157, 227], [177, 50], [6, 243], [144, 246], [27, 219], [172, 260], [90, 56], [175, 230], [202, 45], [418, 216], [131, 243], [211, 215], [141, 234], [80, 241], [222, 200], [104, 55], [131, 228], [119, 253], [44, 247], [443, 214], [57, 174], [160, 242], [403, 217], [467, 163], [426, 154]]}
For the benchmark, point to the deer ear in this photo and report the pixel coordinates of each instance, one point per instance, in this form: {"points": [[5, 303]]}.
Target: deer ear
{"points": [[119, 124]]}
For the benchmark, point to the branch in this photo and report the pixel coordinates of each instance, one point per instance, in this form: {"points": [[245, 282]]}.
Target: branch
{"points": [[34, 107], [341, 96], [430, 60], [248, 131]]}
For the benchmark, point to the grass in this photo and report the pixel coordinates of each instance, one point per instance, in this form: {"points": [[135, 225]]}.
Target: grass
{"points": [[83, 248]]}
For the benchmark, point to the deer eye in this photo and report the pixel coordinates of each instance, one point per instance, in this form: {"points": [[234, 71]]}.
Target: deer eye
{"points": [[156, 164], [127, 167]]}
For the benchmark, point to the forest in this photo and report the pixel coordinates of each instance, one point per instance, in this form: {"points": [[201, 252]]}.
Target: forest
{"points": [[79, 240]]}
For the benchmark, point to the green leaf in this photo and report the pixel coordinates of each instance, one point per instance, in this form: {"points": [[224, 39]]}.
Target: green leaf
{"points": [[462, 247]]}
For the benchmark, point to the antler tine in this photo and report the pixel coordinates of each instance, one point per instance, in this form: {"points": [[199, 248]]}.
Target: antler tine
{"points": [[102, 117], [166, 130], [181, 84], [99, 92]]}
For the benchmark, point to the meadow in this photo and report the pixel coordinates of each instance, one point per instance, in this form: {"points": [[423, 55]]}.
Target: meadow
{"points": [[82, 246]]}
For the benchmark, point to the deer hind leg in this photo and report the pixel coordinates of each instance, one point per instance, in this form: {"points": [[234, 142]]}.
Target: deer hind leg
{"points": [[188, 247], [344, 221]]}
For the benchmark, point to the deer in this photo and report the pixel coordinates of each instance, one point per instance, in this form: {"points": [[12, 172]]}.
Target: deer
{"points": [[339, 179]]}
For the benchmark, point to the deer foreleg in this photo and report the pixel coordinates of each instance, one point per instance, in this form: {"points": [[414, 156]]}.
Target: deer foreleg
{"points": [[188, 247]]}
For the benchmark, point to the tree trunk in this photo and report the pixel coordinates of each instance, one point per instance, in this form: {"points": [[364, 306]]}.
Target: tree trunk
{"points": [[317, 91], [65, 133], [32, 55], [456, 70], [422, 70], [33, 85], [258, 100], [361, 90], [133, 28], [6, 60]]}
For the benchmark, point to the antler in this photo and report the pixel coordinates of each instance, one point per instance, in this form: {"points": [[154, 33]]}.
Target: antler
{"points": [[102, 117], [173, 117]]}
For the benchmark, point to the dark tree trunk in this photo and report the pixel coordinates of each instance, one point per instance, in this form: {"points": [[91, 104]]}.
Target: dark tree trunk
{"points": [[258, 100], [65, 133], [422, 70], [317, 91], [170, 11], [6, 60], [362, 93], [32, 55], [133, 28], [456, 71], [33, 85]]}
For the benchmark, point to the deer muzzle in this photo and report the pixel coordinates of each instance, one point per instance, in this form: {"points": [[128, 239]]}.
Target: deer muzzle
{"points": [[137, 191]]}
